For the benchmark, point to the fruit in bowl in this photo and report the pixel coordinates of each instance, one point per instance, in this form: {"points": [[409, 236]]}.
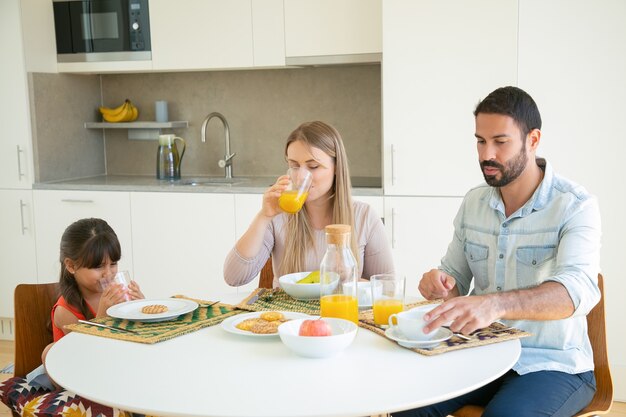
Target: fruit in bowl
{"points": [[303, 290], [316, 327], [342, 333]]}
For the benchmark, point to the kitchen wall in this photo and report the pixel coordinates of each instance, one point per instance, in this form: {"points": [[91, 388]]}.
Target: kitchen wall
{"points": [[262, 107]]}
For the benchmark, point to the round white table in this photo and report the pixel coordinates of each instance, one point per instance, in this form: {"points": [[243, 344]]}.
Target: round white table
{"points": [[215, 373]]}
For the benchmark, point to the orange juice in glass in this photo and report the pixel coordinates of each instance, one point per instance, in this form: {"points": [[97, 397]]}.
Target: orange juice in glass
{"points": [[291, 201], [387, 296], [385, 308], [293, 198], [340, 306]]}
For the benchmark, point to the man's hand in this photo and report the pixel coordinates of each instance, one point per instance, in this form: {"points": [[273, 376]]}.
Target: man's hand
{"points": [[464, 314], [437, 284]]}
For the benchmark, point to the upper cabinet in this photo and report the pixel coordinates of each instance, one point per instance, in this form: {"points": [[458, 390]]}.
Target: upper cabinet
{"points": [[40, 53], [334, 29], [439, 61], [201, 34]]}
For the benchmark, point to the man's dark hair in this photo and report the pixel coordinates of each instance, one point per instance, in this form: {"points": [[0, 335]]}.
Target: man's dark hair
{"points": [[514, 102]]}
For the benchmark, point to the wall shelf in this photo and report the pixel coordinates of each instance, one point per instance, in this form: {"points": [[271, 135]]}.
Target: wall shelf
{"points": [[139, 130]]}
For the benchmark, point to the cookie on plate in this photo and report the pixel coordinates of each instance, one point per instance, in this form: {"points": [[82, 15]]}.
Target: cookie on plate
{"points": [[272, 316], [246, 324], [154, 309], [265, 327]]}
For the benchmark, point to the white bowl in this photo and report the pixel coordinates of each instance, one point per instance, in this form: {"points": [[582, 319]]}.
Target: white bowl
{"points": [[343, 333], [299, 291]]}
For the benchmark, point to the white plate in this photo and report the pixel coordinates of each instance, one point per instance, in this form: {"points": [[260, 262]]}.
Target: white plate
{"points": [[441, 335], [230, 323], [131, 310]]}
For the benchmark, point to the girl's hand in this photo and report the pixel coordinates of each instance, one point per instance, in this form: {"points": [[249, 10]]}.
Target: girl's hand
{"points": [[115, 293], [134, 292], [270, 198]]}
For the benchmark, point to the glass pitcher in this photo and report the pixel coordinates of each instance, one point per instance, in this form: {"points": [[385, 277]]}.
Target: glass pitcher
{"points": [[339, 276], [168, 158]]}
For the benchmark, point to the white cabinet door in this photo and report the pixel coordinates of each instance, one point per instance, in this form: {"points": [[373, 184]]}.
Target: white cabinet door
{"points": [[420, 229], [18, 261], [201, 34], [332, 27], [180, 242], [268, 33], [16, 157], [440, 59], [55, 210]]}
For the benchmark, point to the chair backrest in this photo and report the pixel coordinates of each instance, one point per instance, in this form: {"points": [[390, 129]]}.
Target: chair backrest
{"points": [[33, 332], [603, 398], [266, 279]]}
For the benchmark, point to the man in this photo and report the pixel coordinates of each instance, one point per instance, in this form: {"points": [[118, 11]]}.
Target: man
{"points": [[530, 239]]}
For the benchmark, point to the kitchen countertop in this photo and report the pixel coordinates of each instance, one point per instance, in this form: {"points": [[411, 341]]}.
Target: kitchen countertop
{"points": [[362, 186]]}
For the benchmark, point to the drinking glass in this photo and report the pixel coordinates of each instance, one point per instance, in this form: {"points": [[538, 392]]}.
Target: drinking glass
{"points": [[387, 296], [293, 198], [122, 277]]}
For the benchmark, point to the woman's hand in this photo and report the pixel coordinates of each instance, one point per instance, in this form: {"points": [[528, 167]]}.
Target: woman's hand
{"points": [[134, 292], [270, 197], [115, 293]]}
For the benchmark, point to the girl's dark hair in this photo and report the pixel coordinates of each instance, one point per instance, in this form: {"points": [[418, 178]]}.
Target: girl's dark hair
{"points": [[513, 102], [87, 243]]}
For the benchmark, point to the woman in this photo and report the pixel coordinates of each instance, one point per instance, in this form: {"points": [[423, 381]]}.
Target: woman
{"points": [[297, 242]]}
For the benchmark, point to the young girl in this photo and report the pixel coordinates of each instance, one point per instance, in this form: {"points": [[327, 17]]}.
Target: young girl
{"points": [[297, 242], [89, 253]]}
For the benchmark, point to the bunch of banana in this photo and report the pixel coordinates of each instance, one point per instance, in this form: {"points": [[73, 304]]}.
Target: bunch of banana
{"points": [[127, 112]]}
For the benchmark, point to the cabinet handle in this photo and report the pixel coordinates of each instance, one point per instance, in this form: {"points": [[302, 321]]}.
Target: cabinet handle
{"points": [[393, 165], [22, 205], [20, 174], [75, 200], [393, 228]]}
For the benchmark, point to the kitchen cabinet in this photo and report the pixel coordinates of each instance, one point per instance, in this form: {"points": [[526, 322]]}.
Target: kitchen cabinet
{"points": [[441, 58], [55, 210], [16, 161], [322, 28], [420, 229], [40, 53], [203, 34], [180, 241], [17, 245]]}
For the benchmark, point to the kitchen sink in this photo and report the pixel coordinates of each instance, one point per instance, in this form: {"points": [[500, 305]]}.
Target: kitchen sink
{"points": [[212, 181]]}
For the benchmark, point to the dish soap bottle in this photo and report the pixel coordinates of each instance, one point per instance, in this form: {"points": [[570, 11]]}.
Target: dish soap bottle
{"points": [[339, 276]]}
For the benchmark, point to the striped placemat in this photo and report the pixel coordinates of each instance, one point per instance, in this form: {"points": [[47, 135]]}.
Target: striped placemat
{"points": [[164, 330], [486, 336], [263, 299]]}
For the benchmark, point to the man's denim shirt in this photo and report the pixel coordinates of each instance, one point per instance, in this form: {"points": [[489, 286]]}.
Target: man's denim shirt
{"points": [[555, 236]]}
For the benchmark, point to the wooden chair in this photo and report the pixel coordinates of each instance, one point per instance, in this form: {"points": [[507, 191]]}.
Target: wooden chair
{"points": [[266, 279], [603, 398], [33, 332]]}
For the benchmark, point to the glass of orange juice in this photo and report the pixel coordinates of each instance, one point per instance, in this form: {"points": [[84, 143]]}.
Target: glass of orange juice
{"points": [[387, 296], [293, 198]]}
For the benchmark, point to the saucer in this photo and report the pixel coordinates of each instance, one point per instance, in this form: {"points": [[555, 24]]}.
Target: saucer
{"points": [[440, 335]]}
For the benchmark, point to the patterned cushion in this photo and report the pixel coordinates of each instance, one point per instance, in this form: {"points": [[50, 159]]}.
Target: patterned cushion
{"points": [[28, 401]]}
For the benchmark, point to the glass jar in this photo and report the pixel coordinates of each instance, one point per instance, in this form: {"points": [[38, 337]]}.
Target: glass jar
{"points": [[339, 276]]}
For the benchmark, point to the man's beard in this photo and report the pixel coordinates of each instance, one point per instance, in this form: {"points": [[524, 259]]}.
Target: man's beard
{"points": [[512, 169]]}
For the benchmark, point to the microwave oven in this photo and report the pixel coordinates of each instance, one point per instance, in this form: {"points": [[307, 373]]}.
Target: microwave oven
{"points": [[102, 30]]}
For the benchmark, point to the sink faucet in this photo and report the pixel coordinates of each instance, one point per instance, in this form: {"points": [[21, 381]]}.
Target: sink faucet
{"points": [[227, 162]]}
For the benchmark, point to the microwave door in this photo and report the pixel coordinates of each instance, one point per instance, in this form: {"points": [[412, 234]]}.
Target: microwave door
{"points": [[99, 26]]}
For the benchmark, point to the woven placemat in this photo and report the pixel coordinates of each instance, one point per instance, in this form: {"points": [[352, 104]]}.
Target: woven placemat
{"points": [[164, 330], [486, 336], [263, 299]]}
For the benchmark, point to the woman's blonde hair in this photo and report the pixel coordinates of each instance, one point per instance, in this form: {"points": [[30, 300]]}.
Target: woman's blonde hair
{"points": [[299, 234]]}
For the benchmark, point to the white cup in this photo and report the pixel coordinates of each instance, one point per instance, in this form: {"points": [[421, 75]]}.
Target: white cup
{"points": [[411, 322], [160, 110], [122, 277]]}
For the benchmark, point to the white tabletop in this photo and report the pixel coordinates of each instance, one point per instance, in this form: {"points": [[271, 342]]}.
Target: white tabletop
{"points": [[215, 373]]}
